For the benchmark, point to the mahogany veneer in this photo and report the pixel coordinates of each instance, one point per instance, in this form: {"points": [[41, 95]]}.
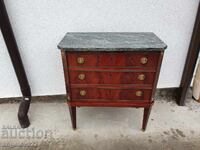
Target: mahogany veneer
{"points": [[106, 94], [112, 77], [114, 59], [111, 70]]}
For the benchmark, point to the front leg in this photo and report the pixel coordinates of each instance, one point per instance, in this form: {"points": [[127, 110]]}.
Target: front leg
{"points": [[147, 112], [72, 111]]}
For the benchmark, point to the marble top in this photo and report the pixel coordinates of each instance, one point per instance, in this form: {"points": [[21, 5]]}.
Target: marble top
{"points": [[111, 41]]}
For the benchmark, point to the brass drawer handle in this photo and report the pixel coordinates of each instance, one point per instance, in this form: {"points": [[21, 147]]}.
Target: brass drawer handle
{"points": [[144, 60], [81, 76], [80, 60], [82, 92], [141, 77], [139, 93]]}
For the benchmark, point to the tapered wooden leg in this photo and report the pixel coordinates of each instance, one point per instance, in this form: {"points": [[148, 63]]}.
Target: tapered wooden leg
{"points": [[72, 111], [147, 112]]}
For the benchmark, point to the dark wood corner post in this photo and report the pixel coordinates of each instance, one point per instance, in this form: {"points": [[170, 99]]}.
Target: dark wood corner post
{"points": [[191, 60], [12, 47]]}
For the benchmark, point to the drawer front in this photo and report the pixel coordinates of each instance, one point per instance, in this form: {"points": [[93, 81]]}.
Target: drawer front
{"points": [[113, 59], [110, 94], [107, 77]]}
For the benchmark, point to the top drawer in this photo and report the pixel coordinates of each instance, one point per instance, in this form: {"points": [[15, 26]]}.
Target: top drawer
{"points": [[113, 59]]}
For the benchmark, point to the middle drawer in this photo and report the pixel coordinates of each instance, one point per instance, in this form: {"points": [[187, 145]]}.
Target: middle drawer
{"points": [[111, 77]]}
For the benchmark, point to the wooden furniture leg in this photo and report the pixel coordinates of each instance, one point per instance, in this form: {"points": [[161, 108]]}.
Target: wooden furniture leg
{"points": [[147, 112], [72, 111]]}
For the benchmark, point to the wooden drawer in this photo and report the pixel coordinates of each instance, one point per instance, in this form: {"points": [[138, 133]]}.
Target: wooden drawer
{"points": [[113, 59], [110, 94], [111, 77]]}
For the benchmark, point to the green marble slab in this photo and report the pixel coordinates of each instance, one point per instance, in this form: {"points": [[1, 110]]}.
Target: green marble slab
{"points": [[111, 41]]}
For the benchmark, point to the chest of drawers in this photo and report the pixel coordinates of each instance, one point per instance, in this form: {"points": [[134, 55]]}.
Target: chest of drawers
{"points": [[111, 70]]}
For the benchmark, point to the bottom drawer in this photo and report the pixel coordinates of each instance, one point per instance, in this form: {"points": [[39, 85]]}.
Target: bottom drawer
{"points": [[110, 94]]}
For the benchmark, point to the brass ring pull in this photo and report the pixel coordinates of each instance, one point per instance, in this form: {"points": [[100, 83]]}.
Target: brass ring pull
{"points": [[141, 77], [144, 60], [139, 93], [80, 60], [81, 76], [82, 92]]}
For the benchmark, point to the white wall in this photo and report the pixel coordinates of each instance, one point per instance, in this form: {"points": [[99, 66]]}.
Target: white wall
{"points": [[40, 24]]}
